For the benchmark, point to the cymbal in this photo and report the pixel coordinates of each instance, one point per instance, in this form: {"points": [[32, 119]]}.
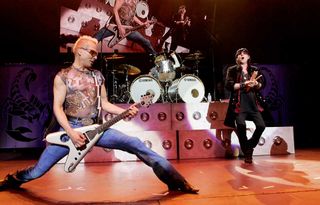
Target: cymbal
{"points": [[132, 70], [114, 57], [183, 68], [195, 56]]}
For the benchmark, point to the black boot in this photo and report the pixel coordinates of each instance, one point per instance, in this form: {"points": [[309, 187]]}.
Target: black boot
{"points": [[9, 182], [248, 156], [183, 187], [228, 150]]}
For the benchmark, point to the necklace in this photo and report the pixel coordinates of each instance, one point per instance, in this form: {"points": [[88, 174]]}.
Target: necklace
{"points": [[81, 69]]}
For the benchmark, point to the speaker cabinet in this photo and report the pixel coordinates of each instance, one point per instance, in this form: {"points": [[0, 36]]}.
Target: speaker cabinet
{"points": [[274, 140], [199, 116], [190, 116], [162, 142], [157, 117], [199, 144]]}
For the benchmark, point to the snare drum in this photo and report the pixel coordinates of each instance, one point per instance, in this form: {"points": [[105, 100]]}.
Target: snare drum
{"points": [[145, 84], [189, 89]]}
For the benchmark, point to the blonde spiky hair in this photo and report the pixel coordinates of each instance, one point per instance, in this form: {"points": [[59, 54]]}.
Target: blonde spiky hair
{"points": [[83, 38]]}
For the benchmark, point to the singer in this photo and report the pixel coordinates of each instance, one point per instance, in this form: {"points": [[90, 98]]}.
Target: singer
{"points": [[246, 102]]}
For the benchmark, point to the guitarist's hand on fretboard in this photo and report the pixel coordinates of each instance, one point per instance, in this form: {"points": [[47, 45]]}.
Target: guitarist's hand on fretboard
{"points": [[122, 31], [148, 23], [132, 112]]}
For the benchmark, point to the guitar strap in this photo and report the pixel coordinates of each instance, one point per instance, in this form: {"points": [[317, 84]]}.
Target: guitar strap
{"points": [[98, 85]]}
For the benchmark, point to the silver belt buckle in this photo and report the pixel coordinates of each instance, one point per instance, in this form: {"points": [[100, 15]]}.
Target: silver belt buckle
{"points": [[87, 121]]}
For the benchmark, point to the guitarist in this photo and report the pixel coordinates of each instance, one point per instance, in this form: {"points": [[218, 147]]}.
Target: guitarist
{"points": [[179, 29], [75, 105], [125, 16]]}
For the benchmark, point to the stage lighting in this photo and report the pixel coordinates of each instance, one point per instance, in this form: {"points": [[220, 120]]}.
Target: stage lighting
{"points": [[144, 116], [179, 116], [166, 144], [262, 141], [148, 144], [107, 149], [213, 115], [207, 143], [162, 116], [277, 140], [188, 144], [108, 116], [196, 115]]}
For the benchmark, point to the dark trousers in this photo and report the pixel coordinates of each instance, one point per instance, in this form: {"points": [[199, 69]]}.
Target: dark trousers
{"points": [[241, 129]]}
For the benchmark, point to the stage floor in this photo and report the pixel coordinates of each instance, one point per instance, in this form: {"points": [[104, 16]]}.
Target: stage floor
{"points": [[281, 179]]}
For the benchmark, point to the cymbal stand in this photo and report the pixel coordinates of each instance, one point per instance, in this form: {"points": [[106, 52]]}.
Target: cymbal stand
{"points": [[114, 95], [196, 66], [165, 96], [126, 97]]}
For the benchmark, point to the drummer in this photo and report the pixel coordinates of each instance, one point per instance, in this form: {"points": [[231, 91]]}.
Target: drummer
{"points": [[165, 67]]}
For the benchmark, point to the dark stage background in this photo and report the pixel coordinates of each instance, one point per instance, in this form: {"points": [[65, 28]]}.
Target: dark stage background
{"points": [[280, 34]]}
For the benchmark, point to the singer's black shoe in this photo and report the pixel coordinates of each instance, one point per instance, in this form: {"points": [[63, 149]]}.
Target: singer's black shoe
{"points": [[184, 187], [9, 182], [248, 156]]}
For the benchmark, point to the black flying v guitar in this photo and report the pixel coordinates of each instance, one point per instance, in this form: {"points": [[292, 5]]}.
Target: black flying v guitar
{"points": [[116, 38], [92, 133]]}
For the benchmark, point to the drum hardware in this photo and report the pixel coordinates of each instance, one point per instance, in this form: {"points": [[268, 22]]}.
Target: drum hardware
{"points": [[196, 57], [114, 57], [114, 96], [115, 84], [128, 69]]}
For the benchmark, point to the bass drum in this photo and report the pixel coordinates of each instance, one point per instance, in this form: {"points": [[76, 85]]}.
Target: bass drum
{"points": [[145, 84], [142, 9], [189, 89]]}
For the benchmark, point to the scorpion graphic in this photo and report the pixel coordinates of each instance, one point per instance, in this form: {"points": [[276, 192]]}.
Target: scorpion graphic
{"points": [[21, 106], [273, 97]]}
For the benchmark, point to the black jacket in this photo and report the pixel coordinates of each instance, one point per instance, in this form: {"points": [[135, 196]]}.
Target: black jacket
{"points": [[233, 76]]}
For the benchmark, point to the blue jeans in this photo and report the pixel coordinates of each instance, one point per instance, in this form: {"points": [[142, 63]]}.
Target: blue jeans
{"points": [[135, 36], [111, 139]]}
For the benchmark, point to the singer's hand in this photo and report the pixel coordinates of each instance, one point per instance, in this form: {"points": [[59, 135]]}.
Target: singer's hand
{"points": [[251, 83]]}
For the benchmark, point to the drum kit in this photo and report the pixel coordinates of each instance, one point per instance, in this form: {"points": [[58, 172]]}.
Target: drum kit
{"points": [[161, 81]]}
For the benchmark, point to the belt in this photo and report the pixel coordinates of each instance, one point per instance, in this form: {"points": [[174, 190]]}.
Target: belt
{"points": [[84, 120]]}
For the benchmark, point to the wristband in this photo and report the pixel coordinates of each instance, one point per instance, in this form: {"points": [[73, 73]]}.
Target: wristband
{"points": [[242, 85]]}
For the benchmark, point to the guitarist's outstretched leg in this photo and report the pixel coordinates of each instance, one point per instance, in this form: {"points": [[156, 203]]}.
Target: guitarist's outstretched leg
{"points": [[49, 157], [114, 139], [142, 41]]}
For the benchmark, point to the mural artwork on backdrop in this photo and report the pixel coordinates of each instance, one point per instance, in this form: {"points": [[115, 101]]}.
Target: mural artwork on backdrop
{"points": [[90, 16], [275, 91], [25, 100]]}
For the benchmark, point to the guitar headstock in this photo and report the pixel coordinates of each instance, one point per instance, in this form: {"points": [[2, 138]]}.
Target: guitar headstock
{"points": [[146, 100]]}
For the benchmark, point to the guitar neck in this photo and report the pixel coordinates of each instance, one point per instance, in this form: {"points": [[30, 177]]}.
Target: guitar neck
{"points": [[109, 123], [138, 27]]}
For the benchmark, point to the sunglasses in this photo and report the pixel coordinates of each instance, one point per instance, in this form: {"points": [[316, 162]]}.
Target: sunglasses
{"points": [[93, 53]]}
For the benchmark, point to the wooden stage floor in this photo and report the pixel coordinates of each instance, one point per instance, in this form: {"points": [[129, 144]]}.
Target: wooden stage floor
{"points": [[281, 179]]}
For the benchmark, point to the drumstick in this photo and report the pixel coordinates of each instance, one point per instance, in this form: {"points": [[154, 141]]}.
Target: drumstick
{"points": [[258, 77]]}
